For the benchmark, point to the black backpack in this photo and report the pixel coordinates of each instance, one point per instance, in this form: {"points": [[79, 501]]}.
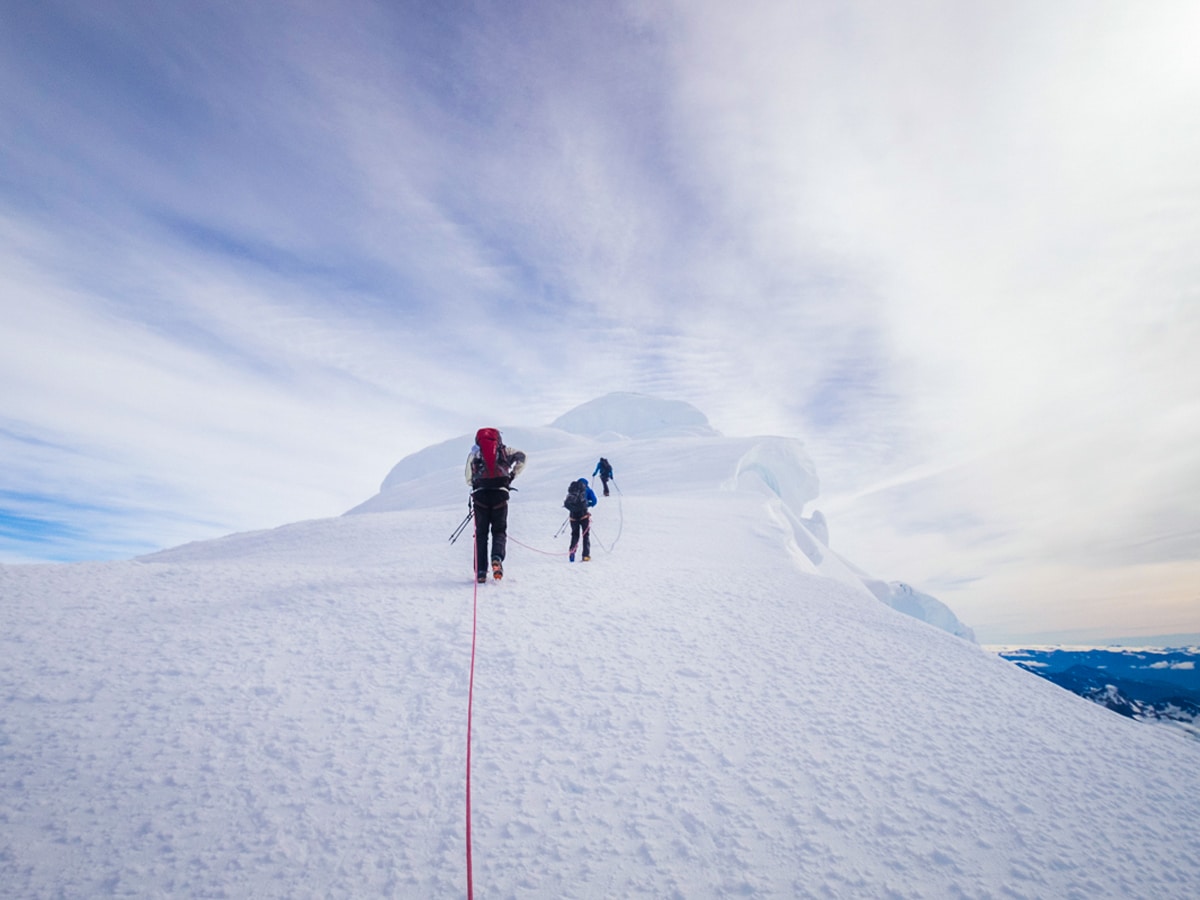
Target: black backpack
{"points": [[576, 503]]}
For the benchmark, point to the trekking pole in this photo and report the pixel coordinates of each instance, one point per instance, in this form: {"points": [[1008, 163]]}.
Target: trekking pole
{"points": [[562, 526], [462, 525]]}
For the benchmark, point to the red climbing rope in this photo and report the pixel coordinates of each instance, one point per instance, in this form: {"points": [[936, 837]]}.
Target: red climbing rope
{"points": [[470, 704], [471, 688], [513, 540]]}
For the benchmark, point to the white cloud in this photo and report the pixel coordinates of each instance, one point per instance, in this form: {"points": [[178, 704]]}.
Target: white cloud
{"points": [[949, 246], [1189, 665]]}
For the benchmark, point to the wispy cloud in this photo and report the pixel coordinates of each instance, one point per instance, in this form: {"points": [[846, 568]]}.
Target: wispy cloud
{"points": [[253, 255]]}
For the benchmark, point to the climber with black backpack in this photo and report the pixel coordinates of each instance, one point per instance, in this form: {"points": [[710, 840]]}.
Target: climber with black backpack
{"points": [[580, 498], [491, 468]]}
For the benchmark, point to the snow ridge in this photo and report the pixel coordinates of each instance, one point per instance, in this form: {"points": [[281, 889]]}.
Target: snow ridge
{"points": [[664, 446], [704, 711]]}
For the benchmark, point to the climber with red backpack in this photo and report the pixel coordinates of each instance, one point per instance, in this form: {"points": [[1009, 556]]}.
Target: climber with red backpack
{"points": [[491, 467]]}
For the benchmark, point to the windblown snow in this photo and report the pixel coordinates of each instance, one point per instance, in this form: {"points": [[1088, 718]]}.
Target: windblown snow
{"points": [[715, 705]]}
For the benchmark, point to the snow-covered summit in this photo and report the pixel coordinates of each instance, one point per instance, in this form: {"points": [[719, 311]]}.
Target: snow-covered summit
{"points": [[626, 415], [657, 447]]}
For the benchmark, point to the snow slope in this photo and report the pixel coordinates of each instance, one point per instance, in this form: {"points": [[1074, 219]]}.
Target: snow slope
{"points": [[698, 712], [661, 447]]}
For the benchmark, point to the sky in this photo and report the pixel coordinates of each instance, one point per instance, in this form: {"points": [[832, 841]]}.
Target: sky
{"points": [[251, 256]]}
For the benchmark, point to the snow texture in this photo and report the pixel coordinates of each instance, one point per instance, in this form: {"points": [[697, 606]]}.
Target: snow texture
{"points": [[703, 710]]}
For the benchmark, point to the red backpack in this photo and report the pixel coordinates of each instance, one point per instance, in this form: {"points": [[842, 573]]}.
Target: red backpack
{"points": [[488, 440]]}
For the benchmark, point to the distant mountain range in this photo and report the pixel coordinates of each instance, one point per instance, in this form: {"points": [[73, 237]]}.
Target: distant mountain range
{"points": [[1160, 686]]}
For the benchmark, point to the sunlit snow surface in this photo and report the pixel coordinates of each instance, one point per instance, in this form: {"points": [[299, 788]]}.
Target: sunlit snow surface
{"points": [[702, 710], [660, 447]]}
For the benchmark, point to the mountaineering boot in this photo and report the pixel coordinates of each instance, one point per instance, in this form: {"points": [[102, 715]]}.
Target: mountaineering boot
{"points": [[571, 558], [586, 558], [497, 569], [481, 577]]}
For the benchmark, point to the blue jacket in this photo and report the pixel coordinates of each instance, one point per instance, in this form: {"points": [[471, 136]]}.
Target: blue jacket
{"points": [[591, 495]]}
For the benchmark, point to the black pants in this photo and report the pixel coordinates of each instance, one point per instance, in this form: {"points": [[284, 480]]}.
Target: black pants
{"points": [[491, 513], [584, 525], [604, 481]]}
